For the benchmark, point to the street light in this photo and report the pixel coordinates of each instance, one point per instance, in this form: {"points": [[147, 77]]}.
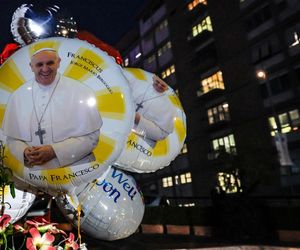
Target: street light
{"points": [[263, 76], [280, 139]]}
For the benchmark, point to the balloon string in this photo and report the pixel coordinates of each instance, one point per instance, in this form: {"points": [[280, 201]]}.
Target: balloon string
{"points": [[79, 213]]}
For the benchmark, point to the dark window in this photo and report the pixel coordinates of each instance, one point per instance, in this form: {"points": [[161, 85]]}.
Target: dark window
{"points": [[277, 86], [259, 18], [264, 91], [280, 84], [218, 113], [265, 50], [282, 5], [298, 74]]}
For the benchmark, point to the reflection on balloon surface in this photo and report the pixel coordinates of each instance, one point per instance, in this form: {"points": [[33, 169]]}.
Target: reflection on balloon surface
{"points": [[112, 206], [33, 22]]}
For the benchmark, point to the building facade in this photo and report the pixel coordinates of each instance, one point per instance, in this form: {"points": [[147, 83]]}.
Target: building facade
{"points": [[235, 66]]}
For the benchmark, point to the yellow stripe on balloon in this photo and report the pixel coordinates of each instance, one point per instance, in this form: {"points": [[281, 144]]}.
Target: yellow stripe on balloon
{"points": [[161, 148], [132, 138], [137, 73], [179, 129], [2, 111], [15, 165], [58, 176], [10, 76], [175, 101], [104, 148], [84, 64], [111, 105], [43, 44]]}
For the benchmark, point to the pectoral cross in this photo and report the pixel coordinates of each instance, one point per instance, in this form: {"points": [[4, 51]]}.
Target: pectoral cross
{"points": [[139, 106], [40, 132]]}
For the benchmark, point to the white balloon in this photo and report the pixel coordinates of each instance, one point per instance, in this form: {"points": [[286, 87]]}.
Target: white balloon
{"points": [[17, 207], [95, 69], [112, 206], [138, 156]]}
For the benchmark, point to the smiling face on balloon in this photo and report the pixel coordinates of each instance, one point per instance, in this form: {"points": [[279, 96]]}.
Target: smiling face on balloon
{"points": [[159, 85], [44, 65]]}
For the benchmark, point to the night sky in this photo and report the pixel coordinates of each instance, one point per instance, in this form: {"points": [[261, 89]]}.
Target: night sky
{"points": [[107, 19]]}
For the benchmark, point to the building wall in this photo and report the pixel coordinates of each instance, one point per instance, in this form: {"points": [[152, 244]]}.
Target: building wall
{"points": [[227, 119]]}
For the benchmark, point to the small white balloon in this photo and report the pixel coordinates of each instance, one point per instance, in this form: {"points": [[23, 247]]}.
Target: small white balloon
{"points": [[112, 206], [17, 207]]}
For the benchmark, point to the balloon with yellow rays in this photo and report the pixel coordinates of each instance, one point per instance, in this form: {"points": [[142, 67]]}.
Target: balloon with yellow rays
{"points": [[18, 206], [93, 68], [138, 155]]}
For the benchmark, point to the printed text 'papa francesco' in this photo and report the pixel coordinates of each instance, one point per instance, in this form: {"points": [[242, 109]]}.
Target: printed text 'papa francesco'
{"points": [[64, 177]]}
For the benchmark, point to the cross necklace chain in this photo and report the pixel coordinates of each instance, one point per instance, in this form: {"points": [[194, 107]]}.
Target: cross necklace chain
{"points": [[140, 104], [40, 132]]}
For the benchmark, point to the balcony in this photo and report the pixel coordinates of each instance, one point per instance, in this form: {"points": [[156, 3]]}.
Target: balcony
{"points": [[199, 38], [220, 125], [212, 94], [222, 161], [205, 62], [221, 155], [280, 98], [260, 29]]}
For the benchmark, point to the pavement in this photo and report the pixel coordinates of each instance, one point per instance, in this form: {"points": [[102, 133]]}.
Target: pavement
{"points": [[154, 241], [158, 241]]}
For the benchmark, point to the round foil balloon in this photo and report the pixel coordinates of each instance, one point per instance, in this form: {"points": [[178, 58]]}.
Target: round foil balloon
{"points": [[17, 207], [32, 22], [112, 206], [160, 127], [66, 110]]}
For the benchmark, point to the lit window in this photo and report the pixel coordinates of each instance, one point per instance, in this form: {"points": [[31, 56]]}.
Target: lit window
{"points": [[226, 143], [294, 117], [194, 3], [229, 182], [164, 49], [167, 181], [138, 55], [218, 113], [284, 122], [186, 178], [187, 205], [289, 121], [205, 24], [168, 45], [170, 70], [177, 180], [135, 54], [214, 81], [151, 59], [272, 123], [162, 25]]}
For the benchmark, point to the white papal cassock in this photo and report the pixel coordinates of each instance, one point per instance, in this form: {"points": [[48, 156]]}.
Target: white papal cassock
{"points": [[71, 121], [156, 111]]}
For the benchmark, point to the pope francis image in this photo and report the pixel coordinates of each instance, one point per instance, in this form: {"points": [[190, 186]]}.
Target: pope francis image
{"points": [[154, 117], [52, 120]]}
